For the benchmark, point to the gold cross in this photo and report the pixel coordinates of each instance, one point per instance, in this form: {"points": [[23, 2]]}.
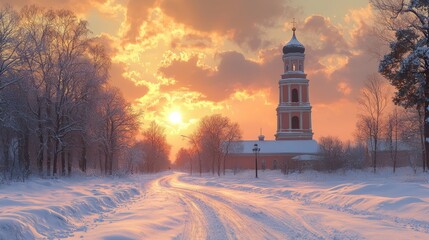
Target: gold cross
{"points": [[293, 25]]}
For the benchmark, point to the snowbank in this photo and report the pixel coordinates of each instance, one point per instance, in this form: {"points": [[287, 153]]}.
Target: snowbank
{"points": [[402, 197], [55, 208]]}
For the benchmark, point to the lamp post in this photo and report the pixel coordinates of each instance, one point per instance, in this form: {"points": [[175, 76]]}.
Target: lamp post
{"points": [[196, 147], [256, 150]]}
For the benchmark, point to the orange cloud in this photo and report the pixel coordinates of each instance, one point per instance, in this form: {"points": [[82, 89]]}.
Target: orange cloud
{"points": [[343, 88], [233, 73], [191, 40], [81, 6], [127, 86], [137, 13], [329, 40], [242, 20]]}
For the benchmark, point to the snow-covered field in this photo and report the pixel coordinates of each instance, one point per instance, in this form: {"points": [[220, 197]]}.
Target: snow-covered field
{"points": [[171, 205]]}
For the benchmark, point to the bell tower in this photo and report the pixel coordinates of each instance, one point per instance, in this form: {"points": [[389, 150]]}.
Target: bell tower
{"points": [[294, 109]]}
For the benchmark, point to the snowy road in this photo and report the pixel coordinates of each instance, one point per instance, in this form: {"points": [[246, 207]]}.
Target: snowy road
{"points": [[218, 213], [224, 213], [178, 206], [212, 210]]}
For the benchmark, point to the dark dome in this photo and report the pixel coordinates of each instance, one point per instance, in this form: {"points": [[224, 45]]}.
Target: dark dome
{"points": [[293, 46]]}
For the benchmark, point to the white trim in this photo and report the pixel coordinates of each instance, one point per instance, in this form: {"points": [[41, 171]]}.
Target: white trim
{"points": [[304, 108], [279, 147], [289, 81]]}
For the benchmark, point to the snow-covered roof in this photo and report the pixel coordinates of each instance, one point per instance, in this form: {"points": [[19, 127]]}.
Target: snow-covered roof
{"points": [[279, 147]]}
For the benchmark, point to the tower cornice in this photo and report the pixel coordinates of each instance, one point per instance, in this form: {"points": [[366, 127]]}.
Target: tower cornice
{"points": [[294, 81], [286, 108], [295, 74]]}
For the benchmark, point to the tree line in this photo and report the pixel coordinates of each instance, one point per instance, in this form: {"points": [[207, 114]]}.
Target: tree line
{"points": [[58, 112]]}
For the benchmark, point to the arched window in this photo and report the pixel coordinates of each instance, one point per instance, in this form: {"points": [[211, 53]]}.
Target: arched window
{"points": [[300, 67], [287, 67], [295, 122], [293, 67], [295, 97]]}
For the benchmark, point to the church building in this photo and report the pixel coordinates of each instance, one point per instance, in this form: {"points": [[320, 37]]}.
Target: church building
{"points": [[293, 146]]}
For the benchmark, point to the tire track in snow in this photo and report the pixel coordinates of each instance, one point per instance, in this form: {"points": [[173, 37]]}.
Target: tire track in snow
{"points": [[313, 224], [214, 228], [221, 221], [240, 220], [196, 225], [395, 221]]}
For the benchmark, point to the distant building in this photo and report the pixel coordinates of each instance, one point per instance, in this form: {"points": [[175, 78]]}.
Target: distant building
{"points": [[294, 147], [279, 154], [406, 153]]}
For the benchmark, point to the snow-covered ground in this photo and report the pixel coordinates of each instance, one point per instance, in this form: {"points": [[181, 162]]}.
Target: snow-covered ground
{"points": [[171, 205]]}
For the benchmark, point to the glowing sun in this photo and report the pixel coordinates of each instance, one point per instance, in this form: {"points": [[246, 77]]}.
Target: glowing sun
{"points": [[175, 118]]}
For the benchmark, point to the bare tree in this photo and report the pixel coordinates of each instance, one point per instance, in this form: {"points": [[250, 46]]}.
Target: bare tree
{"points": [[216, 135], [15, 133], [184, 159], [10, 40], [195, 148], [373, 102], [97, 75], [412, 121], [135, 158], [354, 155], [232, 135], [393, 134], [156, 148], [333, 153], [117, 125]]}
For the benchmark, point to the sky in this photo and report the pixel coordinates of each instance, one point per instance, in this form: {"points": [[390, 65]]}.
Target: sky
{"points": [[180, 60]]}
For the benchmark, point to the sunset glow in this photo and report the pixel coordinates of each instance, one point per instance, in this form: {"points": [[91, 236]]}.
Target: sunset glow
{"points": [[173, 54], [175, 118]]}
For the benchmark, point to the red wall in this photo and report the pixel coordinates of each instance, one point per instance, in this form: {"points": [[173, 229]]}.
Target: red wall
{"points": [[306, 120], [285, 94], [247, 161], [304, 94], [285, 121]]}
